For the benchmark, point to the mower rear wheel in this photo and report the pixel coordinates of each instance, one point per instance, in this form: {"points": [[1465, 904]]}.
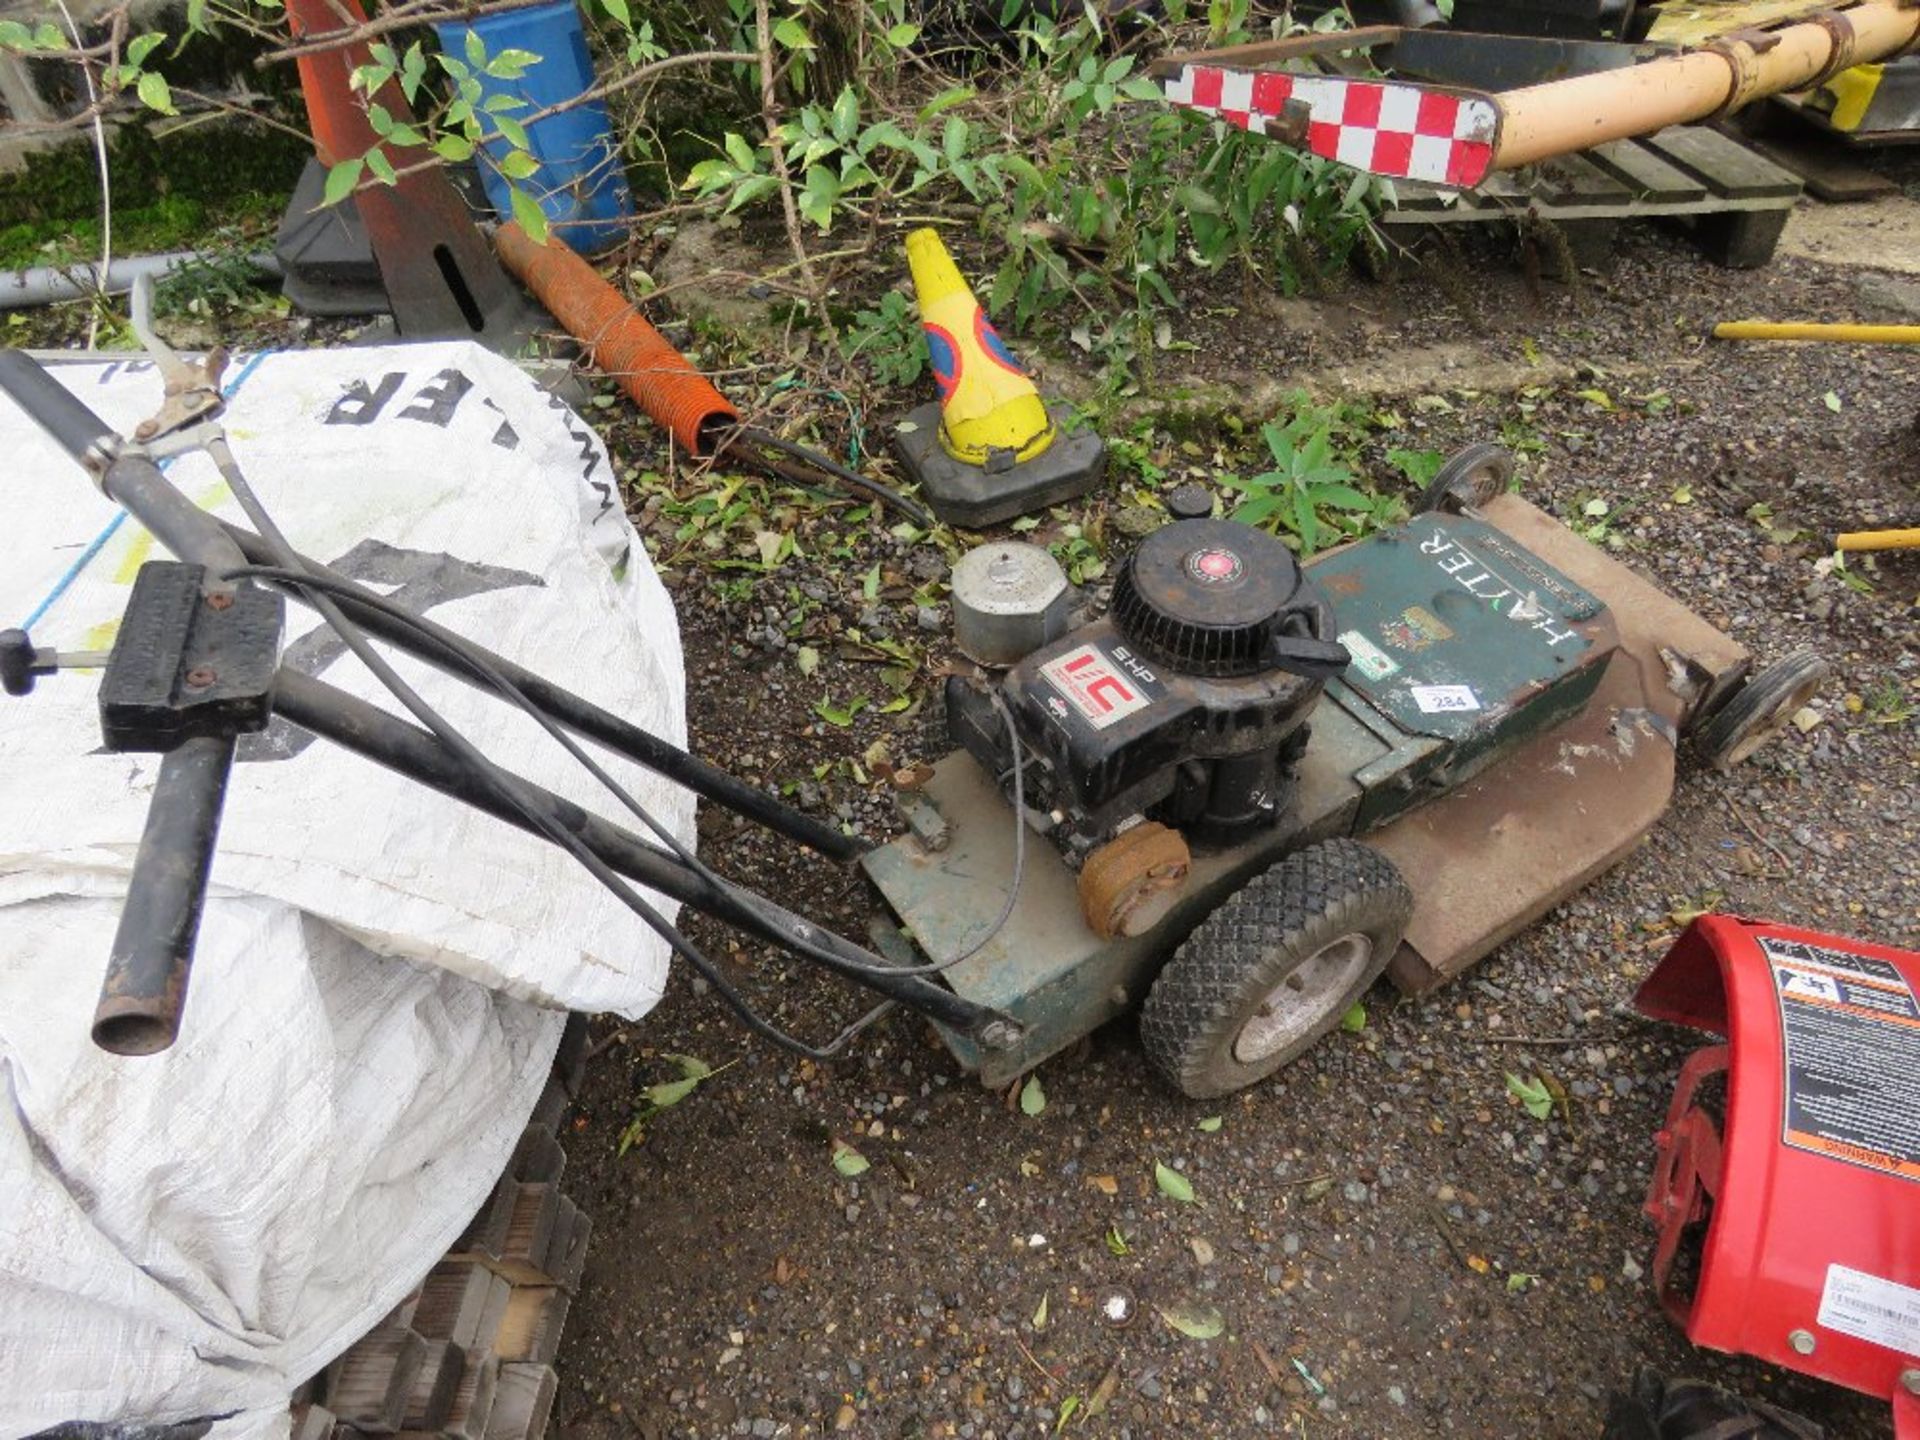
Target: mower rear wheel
{"points": [[1468, 480], [1761, 709], [1274, 968]]}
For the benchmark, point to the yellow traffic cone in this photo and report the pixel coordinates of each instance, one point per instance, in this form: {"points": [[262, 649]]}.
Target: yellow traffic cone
{"points": [[987, 403]]}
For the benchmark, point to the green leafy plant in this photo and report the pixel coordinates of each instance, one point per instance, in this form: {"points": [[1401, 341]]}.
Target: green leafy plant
{"points": [[1307, 482], [1078, 555], [1887, 703], [888, 339], [1088, 187], [1418, 466]]}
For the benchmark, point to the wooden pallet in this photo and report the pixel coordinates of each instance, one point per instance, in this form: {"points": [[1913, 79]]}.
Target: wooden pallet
{"points": [[1736, 201], [469, 1355]]}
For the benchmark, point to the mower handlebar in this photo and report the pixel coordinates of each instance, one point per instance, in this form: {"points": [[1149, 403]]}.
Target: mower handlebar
{"points": [[50, 405]]}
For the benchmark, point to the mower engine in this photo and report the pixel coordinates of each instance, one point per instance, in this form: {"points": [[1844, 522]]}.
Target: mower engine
{"points": [[1181, 714]]}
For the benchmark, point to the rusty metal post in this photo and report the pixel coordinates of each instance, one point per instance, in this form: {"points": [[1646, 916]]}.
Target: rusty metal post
{"points": [[439, 273]]}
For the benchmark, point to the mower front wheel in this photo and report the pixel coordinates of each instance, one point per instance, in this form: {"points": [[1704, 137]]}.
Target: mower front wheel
{"points": [[1274, 968], [1760, 709], [1468, 480]]}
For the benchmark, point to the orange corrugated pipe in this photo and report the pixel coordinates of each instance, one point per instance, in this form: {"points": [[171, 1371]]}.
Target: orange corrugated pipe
{"points": [[619, 340]]}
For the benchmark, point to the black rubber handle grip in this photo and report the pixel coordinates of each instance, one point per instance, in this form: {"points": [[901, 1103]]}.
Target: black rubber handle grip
{"points": [[49, 404], [145, 989]]}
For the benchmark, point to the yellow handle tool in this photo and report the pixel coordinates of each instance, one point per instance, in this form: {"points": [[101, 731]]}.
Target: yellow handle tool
{"points": [[1841, 334], [1878, 540]]}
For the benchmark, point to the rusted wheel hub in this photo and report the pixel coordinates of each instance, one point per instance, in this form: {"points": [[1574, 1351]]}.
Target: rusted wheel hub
{"points": [[1128, 885]]}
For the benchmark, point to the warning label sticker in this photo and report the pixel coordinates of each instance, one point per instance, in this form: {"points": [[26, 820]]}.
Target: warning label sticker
{"points": [[1869, 1308], [1852, 1032], [1368, 658], [1099, 686]]}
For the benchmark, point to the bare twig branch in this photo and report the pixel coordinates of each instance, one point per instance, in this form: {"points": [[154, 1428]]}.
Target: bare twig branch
{"points": [[777, 153], [400, 17]]}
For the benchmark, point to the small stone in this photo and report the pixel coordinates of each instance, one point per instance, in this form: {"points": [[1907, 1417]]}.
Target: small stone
{"points": [[843, 1418], [1396, 1395]]}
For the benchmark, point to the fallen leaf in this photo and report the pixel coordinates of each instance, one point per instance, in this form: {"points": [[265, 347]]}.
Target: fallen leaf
{"points": [[1173, 1184], [847, 1160], [1355, 1020], [1195, 1320], [1478, 1264], [1067, 1407], [1831, 401], [1033, 1099], [1105, 1184], [1040, 1314], [806, 659], [1103, 1392], [1210, 1124], [1537, 1099]]}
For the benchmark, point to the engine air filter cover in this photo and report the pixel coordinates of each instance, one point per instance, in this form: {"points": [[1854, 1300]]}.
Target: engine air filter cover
{"points": [[1009, 599], [1207, 597]]}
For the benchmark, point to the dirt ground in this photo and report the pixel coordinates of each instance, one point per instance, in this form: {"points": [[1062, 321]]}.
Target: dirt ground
{"points": [[1395, 1248]]}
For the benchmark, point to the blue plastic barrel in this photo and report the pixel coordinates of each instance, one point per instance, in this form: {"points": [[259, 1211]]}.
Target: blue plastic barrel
{"points": [[581, 183]]}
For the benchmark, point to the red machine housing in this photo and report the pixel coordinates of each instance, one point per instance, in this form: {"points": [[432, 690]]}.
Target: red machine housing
{"points": [[1810, 1187]]}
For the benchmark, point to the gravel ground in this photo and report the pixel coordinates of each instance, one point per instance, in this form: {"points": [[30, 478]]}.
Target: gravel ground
{"points": [[1392, 1245]]}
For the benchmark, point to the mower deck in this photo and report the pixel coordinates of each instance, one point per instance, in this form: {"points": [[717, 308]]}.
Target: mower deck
{"points": [[1484, 859]]}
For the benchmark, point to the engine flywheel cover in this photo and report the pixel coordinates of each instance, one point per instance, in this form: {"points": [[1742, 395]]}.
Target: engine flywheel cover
{"points": [[1207, 597]]}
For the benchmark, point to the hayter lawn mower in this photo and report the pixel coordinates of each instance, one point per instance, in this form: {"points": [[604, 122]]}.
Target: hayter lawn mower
{"points": [[1489, 699]]}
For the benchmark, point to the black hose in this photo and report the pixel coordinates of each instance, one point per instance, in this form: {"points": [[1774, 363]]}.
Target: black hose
{"points": [[806, 455]]}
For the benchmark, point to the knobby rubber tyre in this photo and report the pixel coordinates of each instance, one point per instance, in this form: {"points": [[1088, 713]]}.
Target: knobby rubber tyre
{"points": [[1274, 968]]}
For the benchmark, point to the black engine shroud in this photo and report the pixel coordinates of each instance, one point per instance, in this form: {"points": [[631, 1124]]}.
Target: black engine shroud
{"points": [[1186, 703]]}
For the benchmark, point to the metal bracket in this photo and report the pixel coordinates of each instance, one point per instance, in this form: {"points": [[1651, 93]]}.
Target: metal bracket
{"points": [[187, 664], [1841, 33], [1738, 48], [192, 390]]}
